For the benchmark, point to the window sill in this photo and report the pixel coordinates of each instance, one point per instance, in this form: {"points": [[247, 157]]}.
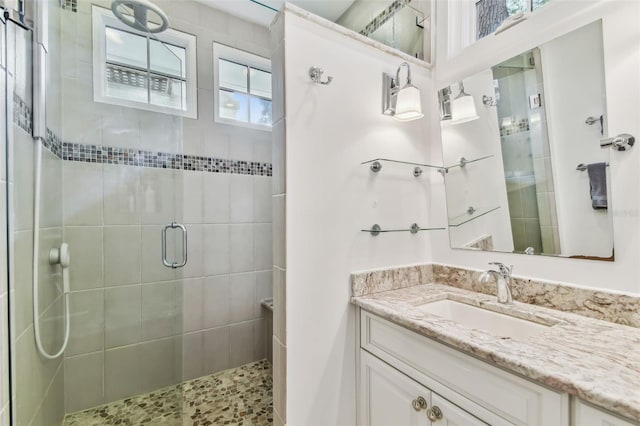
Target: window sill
{"points": [[235, 123], [145, 107]]}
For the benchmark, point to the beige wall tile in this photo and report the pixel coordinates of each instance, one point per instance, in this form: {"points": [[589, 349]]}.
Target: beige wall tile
{"points": [[83, 381]]}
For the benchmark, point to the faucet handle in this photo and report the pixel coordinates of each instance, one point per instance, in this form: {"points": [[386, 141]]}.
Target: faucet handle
{"points": [[504, 269]]}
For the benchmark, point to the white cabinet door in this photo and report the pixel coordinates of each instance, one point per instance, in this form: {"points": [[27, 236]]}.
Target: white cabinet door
{"points": [[387, 395], [452, 415], [586, 415]]}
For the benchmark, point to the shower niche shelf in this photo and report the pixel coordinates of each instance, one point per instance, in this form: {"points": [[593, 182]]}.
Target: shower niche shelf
{"points": [[414, 228], [471, 214], [376, 165]]}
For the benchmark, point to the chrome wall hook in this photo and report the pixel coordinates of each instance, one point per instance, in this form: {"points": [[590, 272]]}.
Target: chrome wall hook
{"points": [[315, 73], [489, 101]]}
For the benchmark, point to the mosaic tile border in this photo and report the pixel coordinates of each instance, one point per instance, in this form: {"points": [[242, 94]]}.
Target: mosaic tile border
{"points": [[519, 126], [383, 17], [70, 5], [99, 154], [22, 114]]}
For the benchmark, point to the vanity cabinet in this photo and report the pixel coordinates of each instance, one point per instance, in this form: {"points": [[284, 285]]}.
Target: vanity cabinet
{"points": [[586, 415], [398, 365], [391, 398]]}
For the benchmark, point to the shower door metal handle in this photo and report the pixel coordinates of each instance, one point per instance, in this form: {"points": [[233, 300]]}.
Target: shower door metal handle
{"points": [[165, 261]]}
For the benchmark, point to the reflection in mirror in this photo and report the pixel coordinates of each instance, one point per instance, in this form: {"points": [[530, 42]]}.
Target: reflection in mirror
{"points": [[402, 24], [527, 173]]}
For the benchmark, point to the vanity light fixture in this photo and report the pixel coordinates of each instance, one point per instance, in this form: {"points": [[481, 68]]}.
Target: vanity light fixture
{"points": [[402, 103], [463, 108]]}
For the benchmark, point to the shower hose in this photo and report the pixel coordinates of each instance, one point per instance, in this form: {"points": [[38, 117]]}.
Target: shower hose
{"points": [[60, 256]]}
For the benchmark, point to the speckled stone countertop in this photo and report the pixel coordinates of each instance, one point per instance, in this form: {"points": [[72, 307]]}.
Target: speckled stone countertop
{"points": [[595, 360]]}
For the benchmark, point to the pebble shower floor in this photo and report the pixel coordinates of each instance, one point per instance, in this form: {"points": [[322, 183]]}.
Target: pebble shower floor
{"points": [[240, 396]]}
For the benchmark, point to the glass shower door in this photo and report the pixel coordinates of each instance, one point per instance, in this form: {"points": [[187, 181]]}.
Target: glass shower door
{"points": [[111, 188], [123, 175]]}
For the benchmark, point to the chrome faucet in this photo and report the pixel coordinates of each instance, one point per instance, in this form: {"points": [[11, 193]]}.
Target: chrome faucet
{"points": [[503, 281]]}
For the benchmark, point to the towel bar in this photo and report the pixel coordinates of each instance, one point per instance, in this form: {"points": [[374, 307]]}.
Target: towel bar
{"points": [[582, 167]]}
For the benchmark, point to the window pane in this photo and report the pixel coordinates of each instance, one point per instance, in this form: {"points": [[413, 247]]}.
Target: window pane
{"points": [[126, 83], [168, 92], [491, 13], [232, 76], [516, 6], [234, 106], [260, 83], [260, 111], [167, 58], [126, 48]]}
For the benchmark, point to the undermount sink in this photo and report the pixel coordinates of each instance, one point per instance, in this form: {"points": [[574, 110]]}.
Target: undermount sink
{"points": [[499, 324]]}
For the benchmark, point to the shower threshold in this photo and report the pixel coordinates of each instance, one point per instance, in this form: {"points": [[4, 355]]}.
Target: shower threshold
{"points": [[239, 396]]}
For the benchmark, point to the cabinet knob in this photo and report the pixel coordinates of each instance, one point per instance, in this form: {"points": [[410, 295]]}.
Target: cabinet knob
{"points": [[434, 413], [419, 403]]}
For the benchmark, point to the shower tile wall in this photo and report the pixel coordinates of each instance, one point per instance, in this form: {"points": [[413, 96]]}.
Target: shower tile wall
{"points": [[136, 325]]}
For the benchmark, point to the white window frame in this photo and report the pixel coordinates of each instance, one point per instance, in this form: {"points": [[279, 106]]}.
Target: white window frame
{"points": [[221, 51], [103, 18]]}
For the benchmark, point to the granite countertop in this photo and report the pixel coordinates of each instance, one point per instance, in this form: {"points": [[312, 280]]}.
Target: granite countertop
{"points": [[595, 360]]}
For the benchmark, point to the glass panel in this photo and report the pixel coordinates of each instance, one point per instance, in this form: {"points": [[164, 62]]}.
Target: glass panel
{"points": [[260, 83], [126, 83], [260, 111], [168, 92], [401, 31], [232, 76], [233, 106], [167, 59], [126, 48]]}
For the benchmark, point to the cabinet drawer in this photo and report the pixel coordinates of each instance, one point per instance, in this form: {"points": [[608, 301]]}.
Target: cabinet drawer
{"points": [[517, 400]]}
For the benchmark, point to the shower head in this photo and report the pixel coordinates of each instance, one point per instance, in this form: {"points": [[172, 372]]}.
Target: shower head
{"points": [[135, 13]]}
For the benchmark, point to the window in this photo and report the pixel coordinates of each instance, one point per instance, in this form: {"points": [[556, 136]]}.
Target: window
{"points": [[491, 13], [471, 20], [242, 88], [134, 69]]}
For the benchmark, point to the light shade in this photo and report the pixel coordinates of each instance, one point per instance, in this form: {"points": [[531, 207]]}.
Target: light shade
{"points": [[401, 102], [408, 106], [463, 109]]}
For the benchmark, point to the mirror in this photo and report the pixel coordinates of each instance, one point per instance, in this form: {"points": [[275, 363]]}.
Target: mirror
{"points": [[525, 172], [404, 25]]}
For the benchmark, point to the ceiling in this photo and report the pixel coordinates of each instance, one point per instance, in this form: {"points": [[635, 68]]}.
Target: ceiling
{"points": [[262, 12]]}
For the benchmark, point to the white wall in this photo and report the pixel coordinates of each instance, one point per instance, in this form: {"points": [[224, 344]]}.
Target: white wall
{"points": [[479, 184], [622, 66], [330, 197], [574, 90]]}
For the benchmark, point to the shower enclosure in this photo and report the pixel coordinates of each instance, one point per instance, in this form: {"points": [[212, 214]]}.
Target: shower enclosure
{"points": [[169, 259], [526, 154]]}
